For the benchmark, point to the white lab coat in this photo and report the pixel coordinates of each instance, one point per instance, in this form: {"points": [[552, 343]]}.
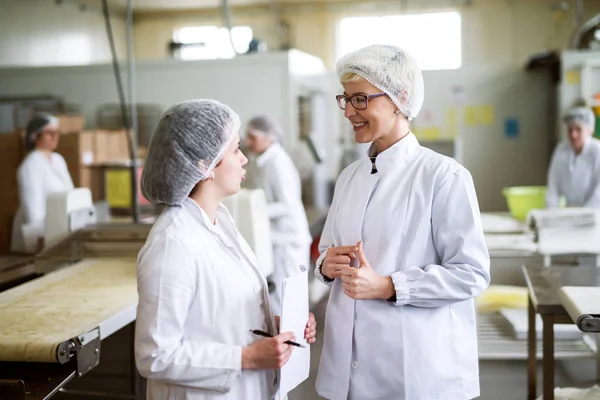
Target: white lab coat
{"points": [[420, 223], [576, 177], [200, 292], [278, 177], [37, 177]]}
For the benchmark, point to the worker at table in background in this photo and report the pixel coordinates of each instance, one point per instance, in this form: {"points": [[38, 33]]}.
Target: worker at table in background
{"points": [[402, 249], [200, 290], [575, 167], [275, 173], [43, 171]]}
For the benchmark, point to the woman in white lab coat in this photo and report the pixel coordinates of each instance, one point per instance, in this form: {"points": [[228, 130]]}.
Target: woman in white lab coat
{"points": [[574, 171], [200, 291], [402, 248], [276, 174], [42, 172]]}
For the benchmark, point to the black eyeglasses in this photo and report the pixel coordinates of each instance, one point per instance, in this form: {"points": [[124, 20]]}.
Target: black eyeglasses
{"points": [[358, 101]]}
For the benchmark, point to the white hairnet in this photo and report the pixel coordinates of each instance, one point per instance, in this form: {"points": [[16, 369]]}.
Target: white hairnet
{"points": [[581, 115], [190, 139], [37, 126], [390, 69], [267, 126]]}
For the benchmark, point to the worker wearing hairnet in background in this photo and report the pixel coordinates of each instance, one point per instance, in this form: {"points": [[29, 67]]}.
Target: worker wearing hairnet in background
{"points": [[42, 172], [276, 174], [200, 290], [402, 249], [575, 167]]}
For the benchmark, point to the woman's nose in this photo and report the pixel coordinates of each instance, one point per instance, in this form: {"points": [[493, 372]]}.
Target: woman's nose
{"points": [[350, 111]]}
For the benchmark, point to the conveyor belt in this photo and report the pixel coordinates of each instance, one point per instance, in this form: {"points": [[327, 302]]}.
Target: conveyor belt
{"points": [[40, 316], [583, 305]]}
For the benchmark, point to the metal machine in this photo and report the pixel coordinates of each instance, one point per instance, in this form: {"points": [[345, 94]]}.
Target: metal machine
{"points": [[62, 305], [56, 308]]}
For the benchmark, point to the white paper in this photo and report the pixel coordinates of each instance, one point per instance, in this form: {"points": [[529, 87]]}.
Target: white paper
{"points": [[494, 223], [294, 316]]}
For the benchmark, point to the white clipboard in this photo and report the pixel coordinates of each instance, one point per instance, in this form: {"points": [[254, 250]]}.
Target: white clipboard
{"points": [[294, 316]]}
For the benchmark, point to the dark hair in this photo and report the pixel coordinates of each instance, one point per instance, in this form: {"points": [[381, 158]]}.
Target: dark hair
{"points": [[35, 127]]}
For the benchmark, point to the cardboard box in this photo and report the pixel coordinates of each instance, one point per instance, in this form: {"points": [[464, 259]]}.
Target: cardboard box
{"points": [[70, 123], [11, 156], [92, 178], [78, 151], [110, 146]]}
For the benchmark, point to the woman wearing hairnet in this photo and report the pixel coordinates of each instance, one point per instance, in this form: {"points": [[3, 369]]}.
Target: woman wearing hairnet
{"points": [[42, 172], [278, 177], [402, 249], [575, 167], [200, 291]]}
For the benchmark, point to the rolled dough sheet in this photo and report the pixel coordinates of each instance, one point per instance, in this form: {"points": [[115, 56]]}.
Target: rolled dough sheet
{"points": [[580, 300], [39, 315]]}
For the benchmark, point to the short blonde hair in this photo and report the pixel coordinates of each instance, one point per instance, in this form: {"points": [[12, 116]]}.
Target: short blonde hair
{"points": [[351, 77]]}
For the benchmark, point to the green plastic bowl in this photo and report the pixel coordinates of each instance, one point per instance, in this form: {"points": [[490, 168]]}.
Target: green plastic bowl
{"points": [[522, 199]]}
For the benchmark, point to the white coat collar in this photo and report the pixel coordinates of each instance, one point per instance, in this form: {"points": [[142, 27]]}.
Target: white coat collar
{"points": [[586, 145], [222, 215], [400, 153], [268, 154]]}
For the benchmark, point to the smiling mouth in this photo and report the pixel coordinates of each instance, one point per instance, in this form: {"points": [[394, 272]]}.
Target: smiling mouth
{"points": [[359, 125]]}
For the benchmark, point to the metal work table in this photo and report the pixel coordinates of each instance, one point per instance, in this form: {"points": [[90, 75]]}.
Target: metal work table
{"points": [[543, 284]]}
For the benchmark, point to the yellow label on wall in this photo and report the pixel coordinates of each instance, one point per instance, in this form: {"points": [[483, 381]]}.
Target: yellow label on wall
{"points": [[573, 77], [486, 115]]}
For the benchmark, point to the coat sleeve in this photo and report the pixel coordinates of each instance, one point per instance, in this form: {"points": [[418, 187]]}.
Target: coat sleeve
{"points": [[552, 192], [167, 285], [32, 195], [464, 270], [593, 201]]}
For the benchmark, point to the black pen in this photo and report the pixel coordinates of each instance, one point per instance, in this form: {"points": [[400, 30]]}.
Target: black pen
{"points": [[266, 334]]}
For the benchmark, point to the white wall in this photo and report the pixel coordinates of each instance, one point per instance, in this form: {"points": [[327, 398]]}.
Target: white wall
{"points": [[39, 32]]}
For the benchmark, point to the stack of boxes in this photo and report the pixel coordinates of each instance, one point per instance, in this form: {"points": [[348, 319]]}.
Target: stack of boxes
{"points": [[96, 159]]}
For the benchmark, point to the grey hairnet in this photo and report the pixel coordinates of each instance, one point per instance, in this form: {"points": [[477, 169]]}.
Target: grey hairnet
{"points": [[37, 126], [390, 69], [581, 115], [267, 126], [190, 139]]}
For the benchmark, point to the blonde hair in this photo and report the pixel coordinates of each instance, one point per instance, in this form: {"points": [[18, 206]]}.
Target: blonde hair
{"points": [[351, 77]]}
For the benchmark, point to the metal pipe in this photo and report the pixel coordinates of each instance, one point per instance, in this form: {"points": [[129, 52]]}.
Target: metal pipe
{"points": [[578, 12], [225, 9], [581, 30], [135, 206]]}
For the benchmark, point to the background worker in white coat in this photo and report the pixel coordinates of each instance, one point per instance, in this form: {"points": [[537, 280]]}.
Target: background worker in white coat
{"points": [[402, 248], [574, 171], [43, 171], [276, 174], [200, 290]]}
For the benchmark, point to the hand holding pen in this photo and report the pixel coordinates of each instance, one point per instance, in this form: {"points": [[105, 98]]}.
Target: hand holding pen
{"points": [[266, 334], [269, 353]]}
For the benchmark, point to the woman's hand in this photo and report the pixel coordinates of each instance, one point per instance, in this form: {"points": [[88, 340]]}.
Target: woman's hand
{"points": [[268, 353], [363, 283], [336, 259], [310, 332]]}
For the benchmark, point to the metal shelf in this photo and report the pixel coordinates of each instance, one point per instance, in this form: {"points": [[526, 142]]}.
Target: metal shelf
{"points": [[496, 342]]}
